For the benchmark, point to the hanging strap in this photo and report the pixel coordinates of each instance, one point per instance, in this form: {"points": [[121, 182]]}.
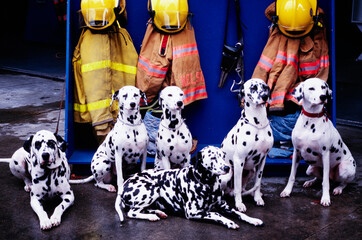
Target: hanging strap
{"points": [[232, 56], [60, 108]]}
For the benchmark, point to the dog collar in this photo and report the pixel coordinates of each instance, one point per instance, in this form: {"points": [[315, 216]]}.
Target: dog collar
{"points": [[172, 128], [129, 124], [254, 125], [313, 115]]}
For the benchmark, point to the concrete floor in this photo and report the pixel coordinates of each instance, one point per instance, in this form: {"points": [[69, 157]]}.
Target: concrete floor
{"points": [[93, 215]]}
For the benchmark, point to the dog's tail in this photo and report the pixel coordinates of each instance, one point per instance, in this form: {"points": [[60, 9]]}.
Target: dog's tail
{"points": [[81, 181], [5, 160], [251, 190]]}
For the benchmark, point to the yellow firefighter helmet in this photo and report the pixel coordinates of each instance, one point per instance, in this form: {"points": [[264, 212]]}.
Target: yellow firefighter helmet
{"points": [[169, 16], [295, 18], [100, 14]]}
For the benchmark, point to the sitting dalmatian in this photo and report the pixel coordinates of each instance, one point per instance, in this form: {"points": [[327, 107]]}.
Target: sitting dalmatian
{"points": [[318, 142], [248, 143], [174, 141], [193, 192], [43, 166], [125, 144]]}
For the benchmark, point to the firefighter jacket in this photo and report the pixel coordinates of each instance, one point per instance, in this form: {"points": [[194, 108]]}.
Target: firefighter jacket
{"points": [[170, 60], [285, 62], [103, 63]]}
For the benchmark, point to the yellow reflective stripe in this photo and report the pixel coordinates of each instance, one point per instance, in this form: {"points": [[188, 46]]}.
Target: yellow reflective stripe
{"points": [[124, 68], [107, 63], [92, 106]]}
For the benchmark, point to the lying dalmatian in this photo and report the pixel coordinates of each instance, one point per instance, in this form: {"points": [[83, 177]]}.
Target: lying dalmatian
{"points": [[318, 142], [174, 141], [43, 166], [193, 192], [248, 143], [125, 143]]}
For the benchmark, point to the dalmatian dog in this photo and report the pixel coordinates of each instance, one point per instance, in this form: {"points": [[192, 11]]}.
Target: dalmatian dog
{"points": [[248, 143], [318, 142], [193, 192], [43, 166], [174, 141], [125, 144]]}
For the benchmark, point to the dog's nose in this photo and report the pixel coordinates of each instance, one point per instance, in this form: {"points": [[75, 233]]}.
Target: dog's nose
{"points": [[132, 104], [45, 156], [265, 97], [226, 169], [180, 103], [323, 98]]}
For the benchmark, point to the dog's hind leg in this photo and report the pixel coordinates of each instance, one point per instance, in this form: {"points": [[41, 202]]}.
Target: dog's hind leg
{"points": [[137, 213]]}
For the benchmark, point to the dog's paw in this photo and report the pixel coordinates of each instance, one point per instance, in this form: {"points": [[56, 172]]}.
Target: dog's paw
{"points": [[231, 225], [55, 221], [112, 188], [256, 222], [285, 193], [161, 214], [325, 201], [241, 207], [338, 190], [45, 224], [259, 201], [27, 188], [309, 183], [153, 218]]}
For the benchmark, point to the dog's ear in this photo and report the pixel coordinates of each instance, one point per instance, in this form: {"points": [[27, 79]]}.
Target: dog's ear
{"points": [[329, 92], [298, 92], [114, 97], [143, 97], [27, 143], [62, 144]]}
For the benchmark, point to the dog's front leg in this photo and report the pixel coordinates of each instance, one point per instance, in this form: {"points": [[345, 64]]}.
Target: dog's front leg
{"points": [[45, 222], [326, 199], [118, 162], [238, 178], [67, 201], [295, 162], [143, 159]]}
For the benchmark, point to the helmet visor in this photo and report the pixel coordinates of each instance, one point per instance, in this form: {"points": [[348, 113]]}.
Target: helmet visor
{"points": [[170, 20], [97, 18]]}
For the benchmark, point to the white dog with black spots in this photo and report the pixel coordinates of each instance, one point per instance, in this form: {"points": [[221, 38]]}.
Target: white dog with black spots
{"points": [[317, 141], [193, 192], [248, 143], [174, 140], [43, 166]]}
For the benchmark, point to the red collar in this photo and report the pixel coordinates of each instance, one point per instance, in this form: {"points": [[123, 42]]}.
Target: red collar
{"points": [[313, 115]]}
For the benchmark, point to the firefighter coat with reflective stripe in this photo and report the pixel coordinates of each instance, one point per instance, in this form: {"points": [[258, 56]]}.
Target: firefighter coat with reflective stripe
{"points": [[285, 62], [170, 60], [103, 63]]}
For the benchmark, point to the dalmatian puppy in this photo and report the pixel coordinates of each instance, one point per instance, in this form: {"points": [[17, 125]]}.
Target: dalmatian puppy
{"points": [[174, 141], [126, 143], [193, 192], [248, 143], [318, 142], [43, 166]]}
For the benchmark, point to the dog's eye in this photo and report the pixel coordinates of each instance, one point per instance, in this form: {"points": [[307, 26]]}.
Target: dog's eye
{"points": [[135, 95], [181, 94], [311, 88], [170, 95], [124, 96], [254, 88], [51, 144], [37, 145]]}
